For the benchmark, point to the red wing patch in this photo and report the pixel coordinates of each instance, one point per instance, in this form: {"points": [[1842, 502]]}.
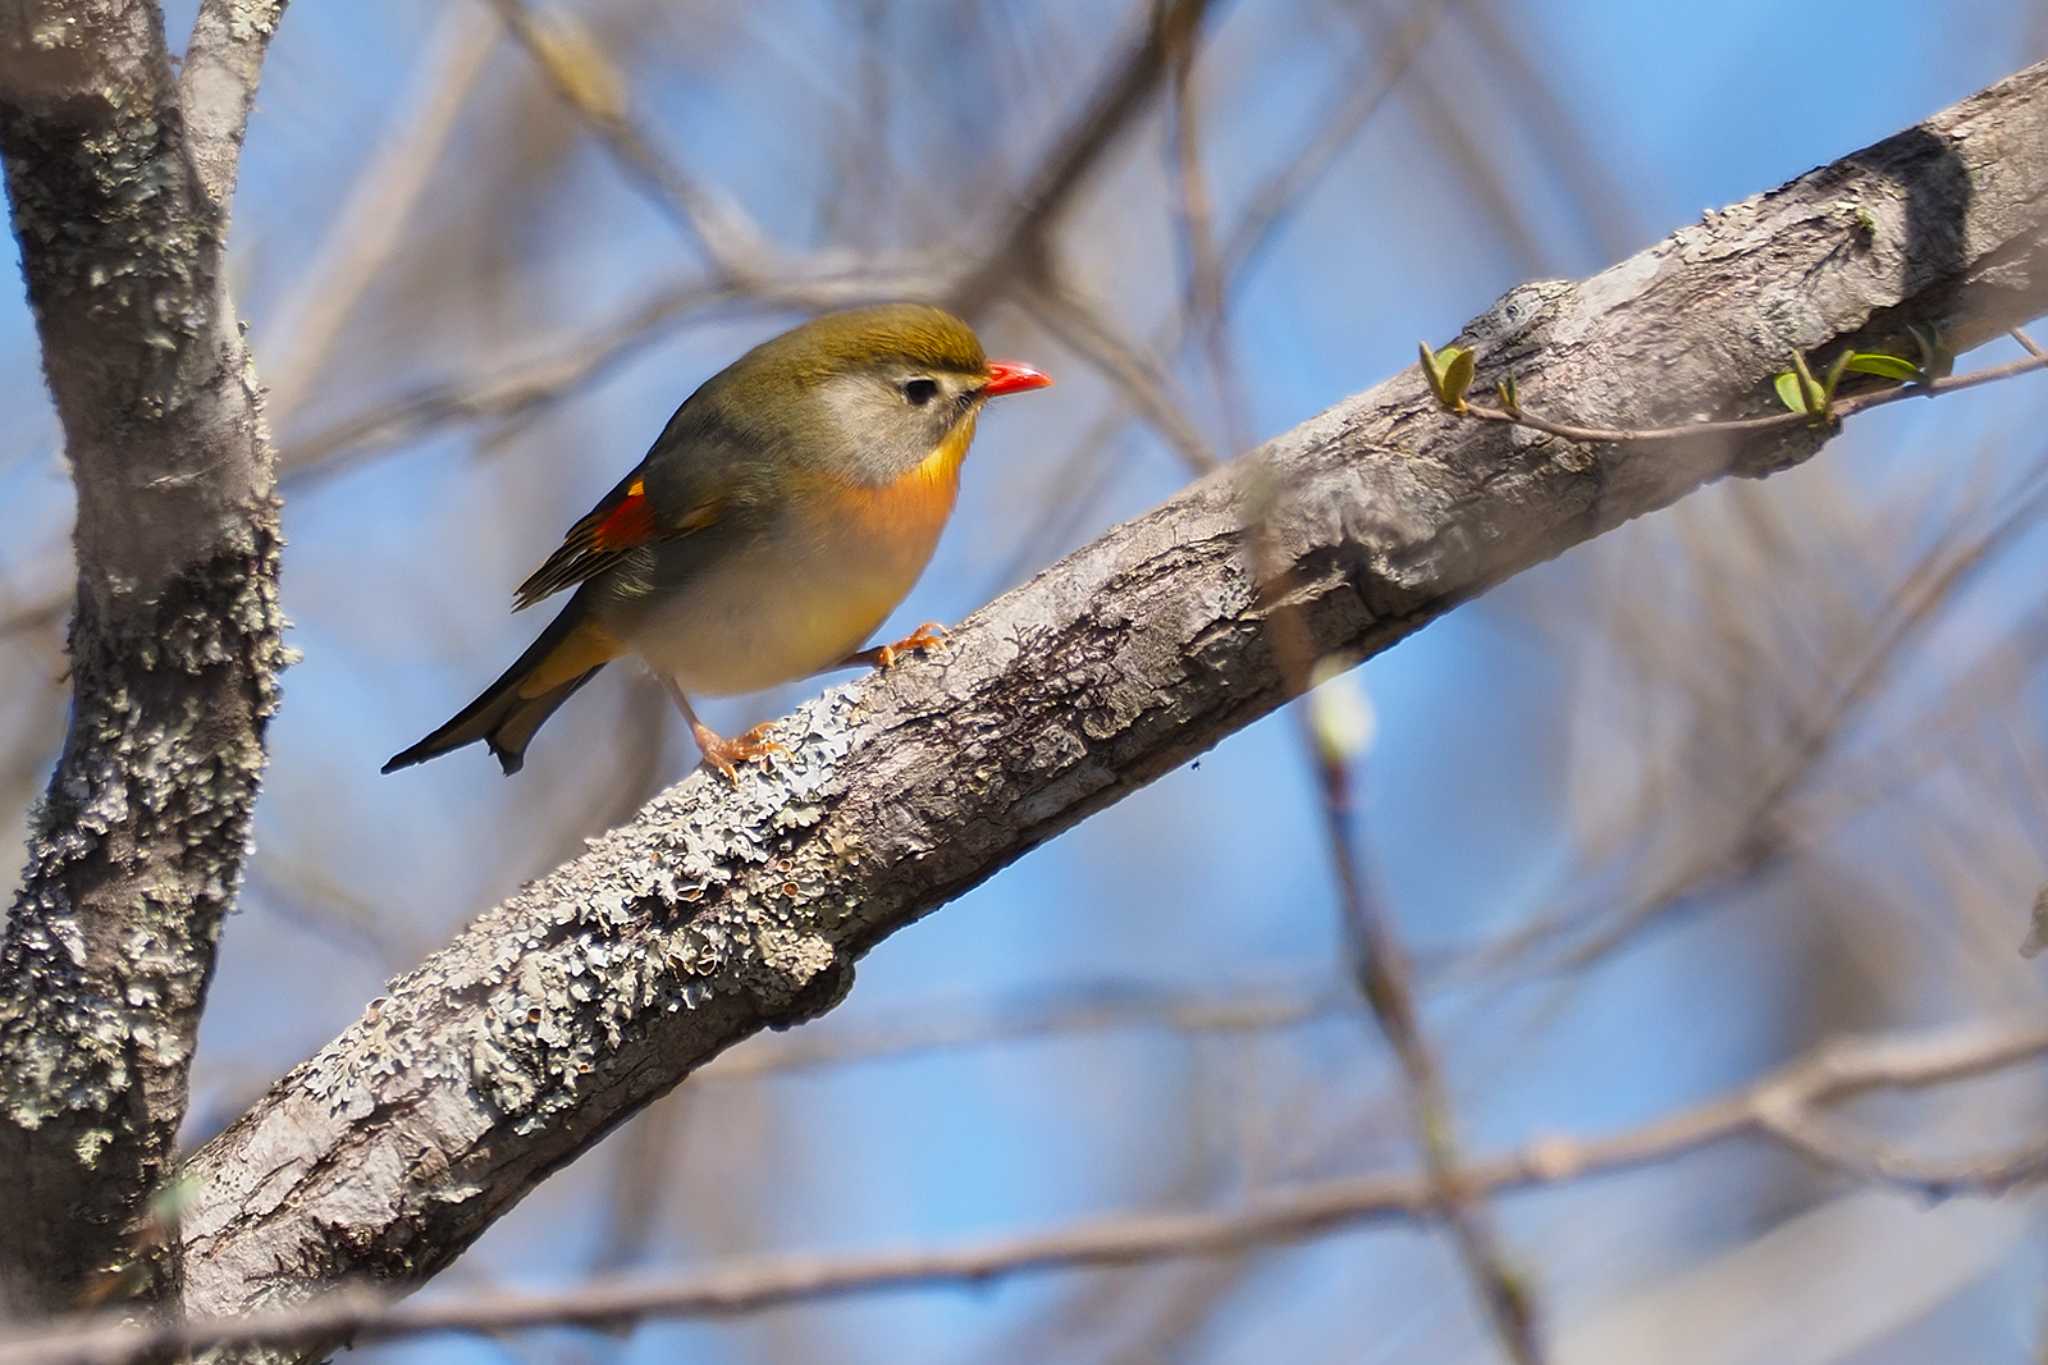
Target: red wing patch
{"points": [[628, 524], [622, 522]]}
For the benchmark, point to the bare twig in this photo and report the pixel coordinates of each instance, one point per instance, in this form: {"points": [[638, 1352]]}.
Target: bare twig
{"points": [[1757, 426], [1087, 1008], [1116, 103], [363, 235], [1781, 1108], [1296, 175], [1754, 845], [1380, 963], [1378, 959], [1462, 140], [1529, 85], [587, 82], [1138, 377], [1355, 102], [1206, 306], [574, 360]]}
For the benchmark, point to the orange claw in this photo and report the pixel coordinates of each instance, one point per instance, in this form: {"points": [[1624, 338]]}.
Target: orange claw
{"points": [[723, 754], [926, 636]]}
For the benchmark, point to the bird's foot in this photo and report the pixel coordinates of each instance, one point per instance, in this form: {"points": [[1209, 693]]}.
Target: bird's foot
{"points": [[927, 636], [724, 754]]}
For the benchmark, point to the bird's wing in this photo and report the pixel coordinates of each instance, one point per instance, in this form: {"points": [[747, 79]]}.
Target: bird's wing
{"points": [[623, 520]]}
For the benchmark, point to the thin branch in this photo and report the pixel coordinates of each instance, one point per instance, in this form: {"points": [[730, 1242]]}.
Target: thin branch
{"points": [[1780, 1108], [1757, 426], [1528, 84], [1137, 377], [1386, 980], [1880, 1163], [1349, 109], [584, 356], [1336, 128], [217, 89], [1754, 845], [587, 82], [1207, 303], [1380, 965], [1088, 1008], [1118, 100], [362, 237], [562, 366], [1463, 139]]}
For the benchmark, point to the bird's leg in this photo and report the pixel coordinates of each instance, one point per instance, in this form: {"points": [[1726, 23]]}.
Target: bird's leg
{"points": [[722, 753], [884, 656]]}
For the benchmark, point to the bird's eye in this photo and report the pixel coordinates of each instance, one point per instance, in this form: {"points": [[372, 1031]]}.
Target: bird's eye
{"points": [[918, 392]]}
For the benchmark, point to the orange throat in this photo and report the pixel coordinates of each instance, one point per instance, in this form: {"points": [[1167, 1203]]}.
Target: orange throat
{"points": [[918, 503]]}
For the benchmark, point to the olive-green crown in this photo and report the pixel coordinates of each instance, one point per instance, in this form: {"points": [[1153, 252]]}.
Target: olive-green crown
{"points": [[912, 334]]}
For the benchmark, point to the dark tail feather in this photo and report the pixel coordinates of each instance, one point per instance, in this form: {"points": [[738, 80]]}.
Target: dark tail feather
{"points": [[501, 718]]}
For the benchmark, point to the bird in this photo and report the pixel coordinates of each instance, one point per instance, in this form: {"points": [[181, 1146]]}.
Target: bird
{"points": [[786, 509]]}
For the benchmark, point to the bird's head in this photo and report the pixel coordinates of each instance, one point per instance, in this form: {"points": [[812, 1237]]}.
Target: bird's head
{"points": [[874, 393]]}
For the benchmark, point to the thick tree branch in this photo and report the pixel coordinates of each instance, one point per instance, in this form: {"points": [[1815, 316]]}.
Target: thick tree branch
{"points": [[120, 204], [719, 913]]}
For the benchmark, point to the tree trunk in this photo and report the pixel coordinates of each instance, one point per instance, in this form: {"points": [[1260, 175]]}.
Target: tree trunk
{"points": [[118, 189]]}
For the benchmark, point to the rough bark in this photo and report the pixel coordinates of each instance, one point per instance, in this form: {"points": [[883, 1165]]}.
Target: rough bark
{"points": [[135, 851], [716, 914]]}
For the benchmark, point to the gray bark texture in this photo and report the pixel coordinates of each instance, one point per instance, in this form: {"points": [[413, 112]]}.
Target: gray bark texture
{"points": [[118, 188], [716, 914]]}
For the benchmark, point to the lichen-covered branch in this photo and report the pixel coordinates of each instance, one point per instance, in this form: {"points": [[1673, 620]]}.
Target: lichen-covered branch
{"points": [[118, 203], [217, 87], [718, 913]]}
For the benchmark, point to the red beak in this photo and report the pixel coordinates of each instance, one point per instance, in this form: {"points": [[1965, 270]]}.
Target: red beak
{"points": [[1007, 376]]}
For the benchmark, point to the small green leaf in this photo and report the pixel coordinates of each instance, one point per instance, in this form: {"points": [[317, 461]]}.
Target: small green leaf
{"points": [[1883, 366], [1789, 393], [1510, 396], [1813, 395], [1449, 373], [1432, 371], [1834, 378], [1457, 375]]}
